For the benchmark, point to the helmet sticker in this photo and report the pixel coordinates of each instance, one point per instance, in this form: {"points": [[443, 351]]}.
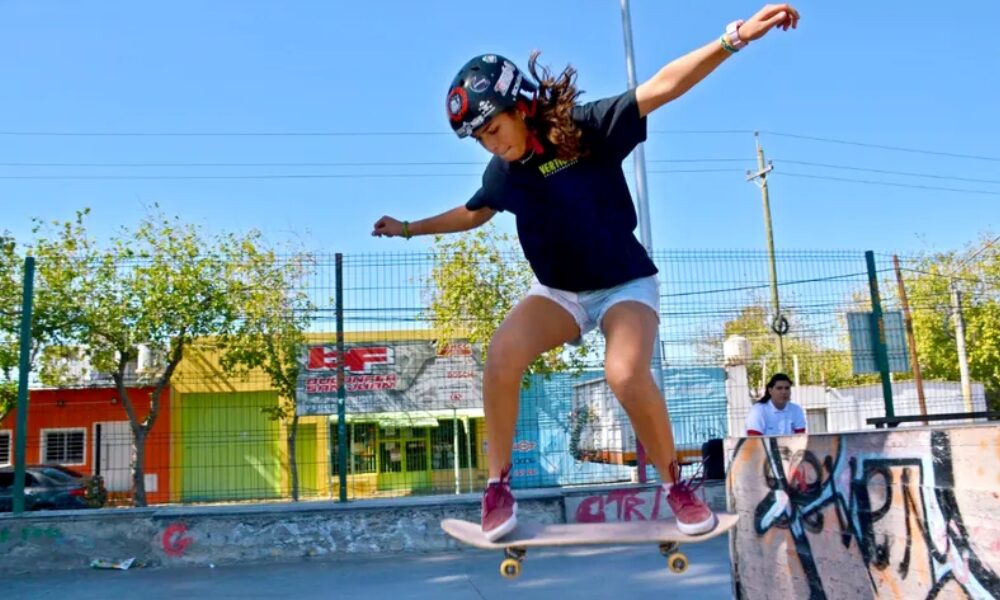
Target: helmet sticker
{"points": [[486, 108], [517, 86], [490, 58], [458, 104], [479, 83], [506, 76]]}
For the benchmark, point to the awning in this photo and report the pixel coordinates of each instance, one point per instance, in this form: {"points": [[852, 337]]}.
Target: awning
{"points": [[423, 418]]}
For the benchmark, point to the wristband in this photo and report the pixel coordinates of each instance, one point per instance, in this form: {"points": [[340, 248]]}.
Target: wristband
{"points": [[406, 230], [732, 36], [726, 45]]}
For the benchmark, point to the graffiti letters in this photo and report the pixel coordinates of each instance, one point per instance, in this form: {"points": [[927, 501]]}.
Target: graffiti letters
{"points": [[26, 534], [175, 540], [862, 490], [620, 505]]}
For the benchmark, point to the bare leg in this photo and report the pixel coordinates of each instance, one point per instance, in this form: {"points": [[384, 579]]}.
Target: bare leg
{"points": [[534, 326], [630, 332]]}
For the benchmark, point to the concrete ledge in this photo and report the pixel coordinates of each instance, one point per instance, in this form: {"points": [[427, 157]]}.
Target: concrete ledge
{"points": [[203, 535]]}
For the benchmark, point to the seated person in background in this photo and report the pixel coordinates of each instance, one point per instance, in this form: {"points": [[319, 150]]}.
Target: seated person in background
{"points": [[774, 413]]}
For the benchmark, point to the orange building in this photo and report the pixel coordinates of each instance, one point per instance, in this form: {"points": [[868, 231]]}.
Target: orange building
{"points": [[87, 429]]}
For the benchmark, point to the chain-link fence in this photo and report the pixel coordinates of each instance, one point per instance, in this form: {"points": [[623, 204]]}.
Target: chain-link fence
{"points": [[388, 393]]}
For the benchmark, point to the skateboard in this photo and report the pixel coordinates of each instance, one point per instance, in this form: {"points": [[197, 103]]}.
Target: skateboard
{"points": [[535, 535]]}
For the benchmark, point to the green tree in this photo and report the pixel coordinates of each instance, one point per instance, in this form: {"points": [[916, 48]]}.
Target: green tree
{"points": [[477, 278], [10, 301], [976, 274], [55, 306], [269, 335], [162, 285], [819, 365]]}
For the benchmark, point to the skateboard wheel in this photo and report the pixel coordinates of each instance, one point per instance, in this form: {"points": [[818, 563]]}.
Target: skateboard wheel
{"points": [[510, 568], [677, 562]]}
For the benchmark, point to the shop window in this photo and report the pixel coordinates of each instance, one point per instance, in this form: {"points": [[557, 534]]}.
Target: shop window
{"points": [[361, 445], [442, 446]]}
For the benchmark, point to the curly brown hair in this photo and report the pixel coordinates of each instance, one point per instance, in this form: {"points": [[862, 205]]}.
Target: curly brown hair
{"points": [[553, 118]]}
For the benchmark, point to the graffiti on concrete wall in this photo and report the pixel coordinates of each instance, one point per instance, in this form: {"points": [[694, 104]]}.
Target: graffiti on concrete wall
{"points": [[175, 540], [893, 507], [29, 533], [618, 505]]}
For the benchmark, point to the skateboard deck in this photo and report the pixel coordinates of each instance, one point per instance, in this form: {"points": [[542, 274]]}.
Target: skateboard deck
{"points": [[528, 534]]}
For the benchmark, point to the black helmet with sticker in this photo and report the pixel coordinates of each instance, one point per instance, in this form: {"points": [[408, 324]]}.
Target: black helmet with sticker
{"points": [[485, 86]]}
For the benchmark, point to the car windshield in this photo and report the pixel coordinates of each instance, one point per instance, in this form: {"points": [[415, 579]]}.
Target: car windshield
{"points": [[58, 476]]}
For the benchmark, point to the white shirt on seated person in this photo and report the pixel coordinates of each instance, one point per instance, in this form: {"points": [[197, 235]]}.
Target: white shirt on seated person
{"points": [[775, 414]]}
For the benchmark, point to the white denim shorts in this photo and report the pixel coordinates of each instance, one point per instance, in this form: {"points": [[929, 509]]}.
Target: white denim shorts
{"points": [[588, 308]]}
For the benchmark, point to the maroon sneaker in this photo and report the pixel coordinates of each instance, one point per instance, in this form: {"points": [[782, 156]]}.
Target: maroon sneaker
{"points": [[499, 508], [694, 517]]}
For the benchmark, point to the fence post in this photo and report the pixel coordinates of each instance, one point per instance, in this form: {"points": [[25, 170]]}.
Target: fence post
{"points": [[23, 371], [341, 383], [877, 328]]}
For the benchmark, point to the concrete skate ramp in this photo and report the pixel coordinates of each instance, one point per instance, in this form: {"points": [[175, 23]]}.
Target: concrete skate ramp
{"points": [[908, 514]]}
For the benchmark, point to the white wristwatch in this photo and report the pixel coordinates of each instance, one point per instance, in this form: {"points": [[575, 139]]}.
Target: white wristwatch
{"points": [[733, 35]]}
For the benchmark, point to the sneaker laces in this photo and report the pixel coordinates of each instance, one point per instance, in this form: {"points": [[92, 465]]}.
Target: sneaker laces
{"points": [[495, 489], [505, 476], [687, 487]]}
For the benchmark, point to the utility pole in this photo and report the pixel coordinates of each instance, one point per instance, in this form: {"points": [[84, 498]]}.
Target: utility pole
{"points": [[956, 305], [910, 339], [645, 228], [780, 324], [963, 358]]}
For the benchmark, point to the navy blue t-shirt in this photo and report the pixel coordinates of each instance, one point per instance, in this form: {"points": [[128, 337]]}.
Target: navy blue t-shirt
{"points": [[576, 220]]}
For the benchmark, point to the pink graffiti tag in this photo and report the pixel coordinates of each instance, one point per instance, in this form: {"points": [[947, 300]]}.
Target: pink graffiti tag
{"points": [[175, 543], [628, 507]]}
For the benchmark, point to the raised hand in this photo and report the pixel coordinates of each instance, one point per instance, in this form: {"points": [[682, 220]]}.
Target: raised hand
{"points": [[773, 15]]}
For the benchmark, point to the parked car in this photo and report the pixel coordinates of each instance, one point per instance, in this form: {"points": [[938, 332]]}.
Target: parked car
{"points": [[52, 487]]}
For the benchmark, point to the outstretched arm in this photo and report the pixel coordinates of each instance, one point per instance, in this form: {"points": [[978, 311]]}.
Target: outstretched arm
{"points": [[680, 75], [456, 219]]}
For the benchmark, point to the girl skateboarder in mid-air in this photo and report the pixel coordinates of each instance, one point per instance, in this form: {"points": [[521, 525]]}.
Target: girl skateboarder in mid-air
{"points": [[557, 167]]}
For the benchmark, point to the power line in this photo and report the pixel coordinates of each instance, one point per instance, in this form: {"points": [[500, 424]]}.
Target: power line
{"points": [[220, 133], [885, 171], [43, 133], [891, 184], [881, 146], [131, 165], [294, 176]]}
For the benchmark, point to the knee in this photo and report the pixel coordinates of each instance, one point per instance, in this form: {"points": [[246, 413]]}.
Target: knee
{"points": [[505, 362], [626, 379]]}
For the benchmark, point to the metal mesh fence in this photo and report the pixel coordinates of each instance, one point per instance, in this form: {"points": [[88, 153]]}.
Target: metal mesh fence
{"points": [[413, 420]]}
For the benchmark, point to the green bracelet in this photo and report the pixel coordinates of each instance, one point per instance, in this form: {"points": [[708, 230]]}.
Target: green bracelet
{"points": [[726, 45], [406, 230]]}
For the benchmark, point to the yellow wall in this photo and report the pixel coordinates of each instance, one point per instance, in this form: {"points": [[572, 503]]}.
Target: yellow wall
{"points": [[199, 372], [321, 462]]}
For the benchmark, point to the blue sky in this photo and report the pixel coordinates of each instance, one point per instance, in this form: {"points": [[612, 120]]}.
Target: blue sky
{"points": [[376, 73]]}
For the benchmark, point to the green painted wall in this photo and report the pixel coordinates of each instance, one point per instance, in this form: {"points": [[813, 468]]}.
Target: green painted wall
{"points": [[230, 449]]}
